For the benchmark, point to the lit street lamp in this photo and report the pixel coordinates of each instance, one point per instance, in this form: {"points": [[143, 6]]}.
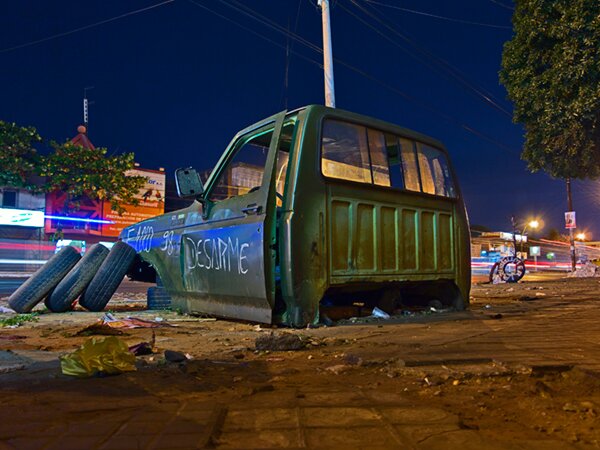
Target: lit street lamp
{"points": [[580, 236]]}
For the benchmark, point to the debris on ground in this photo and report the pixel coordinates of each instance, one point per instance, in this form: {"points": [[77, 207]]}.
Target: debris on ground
{"points": [[144, 348], [133, 322], [380, 314], [175, 357], [141, 349], [5, 310], [18, 320], [586, 270], [101, 329], [279, 342], [99, 356]]}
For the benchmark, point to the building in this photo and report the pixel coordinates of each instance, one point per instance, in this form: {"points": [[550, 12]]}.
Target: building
{"points": [[36, 217]]}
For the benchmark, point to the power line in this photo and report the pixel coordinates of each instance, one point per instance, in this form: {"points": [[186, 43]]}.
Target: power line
{"points": [[262, 36], [443, 65], [85, 27], [436, 16], [502, 5], [282, 30]]}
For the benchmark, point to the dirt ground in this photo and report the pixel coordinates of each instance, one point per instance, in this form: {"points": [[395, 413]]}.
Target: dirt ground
{"points": [[519, 369]]}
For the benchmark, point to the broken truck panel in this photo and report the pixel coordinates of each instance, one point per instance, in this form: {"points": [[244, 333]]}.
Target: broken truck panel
{"points": [[326, 203]]}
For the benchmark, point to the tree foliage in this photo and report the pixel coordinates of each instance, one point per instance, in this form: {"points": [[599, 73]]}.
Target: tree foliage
{"points": [[551, 70], [18, 158], [84, 172]]}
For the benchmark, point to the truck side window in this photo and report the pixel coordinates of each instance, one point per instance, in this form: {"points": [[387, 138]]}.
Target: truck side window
{"points": [[379, 158], [345, 152], [409, 165], [435, 173], [245, 170]]}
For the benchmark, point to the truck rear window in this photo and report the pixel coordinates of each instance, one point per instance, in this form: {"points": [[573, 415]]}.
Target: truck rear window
{"points": [[356, 153]]}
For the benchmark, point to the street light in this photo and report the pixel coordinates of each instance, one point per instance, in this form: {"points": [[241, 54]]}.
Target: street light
{"points": [[580, 236], [534, 224]]}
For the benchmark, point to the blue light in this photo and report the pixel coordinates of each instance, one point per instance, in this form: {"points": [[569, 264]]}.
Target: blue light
{"points": [[78, 219]]}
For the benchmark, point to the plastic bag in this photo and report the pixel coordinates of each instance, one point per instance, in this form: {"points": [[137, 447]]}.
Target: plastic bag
{"points": [[97, 356]]}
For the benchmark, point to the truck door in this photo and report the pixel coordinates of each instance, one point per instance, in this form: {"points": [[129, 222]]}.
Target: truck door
{"points": [[228, 261]]}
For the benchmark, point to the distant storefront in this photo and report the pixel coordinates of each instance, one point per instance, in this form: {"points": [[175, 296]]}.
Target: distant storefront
{"points": [[27, 216], [95, 221]]}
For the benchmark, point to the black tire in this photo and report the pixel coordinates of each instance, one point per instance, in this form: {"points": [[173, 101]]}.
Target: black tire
{"points": [[109, 276], [44, 280], [64, 295], [158, 298]]}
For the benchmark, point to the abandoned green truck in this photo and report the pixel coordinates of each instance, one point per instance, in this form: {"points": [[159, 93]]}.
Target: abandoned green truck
{"points": [[310, 206]]}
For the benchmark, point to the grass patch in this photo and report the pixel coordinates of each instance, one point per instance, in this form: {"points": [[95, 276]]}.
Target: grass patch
{"points": [[18, 320]]}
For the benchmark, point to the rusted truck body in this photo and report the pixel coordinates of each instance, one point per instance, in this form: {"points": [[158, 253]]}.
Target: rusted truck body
{"points": [[313, 205]]}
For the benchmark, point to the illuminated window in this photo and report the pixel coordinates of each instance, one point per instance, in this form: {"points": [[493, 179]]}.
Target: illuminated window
{"points": [[409, 165], [357, 153], [345, 152], [435, 173]]}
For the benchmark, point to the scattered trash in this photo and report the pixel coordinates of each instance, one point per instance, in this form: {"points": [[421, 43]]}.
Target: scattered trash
{"points": [[194, 319], [143, 348], [104, 356], [488, 306], [18, 320], [440, 310], [279, 342], [587, 270], [380, 314], [132, 322], [435, 304], [101, 329], [5, 310], [175, 357]]}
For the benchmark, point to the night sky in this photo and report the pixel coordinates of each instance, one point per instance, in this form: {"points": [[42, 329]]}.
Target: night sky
{"points": [[174, 83]]}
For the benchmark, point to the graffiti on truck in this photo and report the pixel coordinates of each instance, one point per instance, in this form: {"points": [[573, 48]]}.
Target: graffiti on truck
{"points": [[140, 238], [217, 254]]}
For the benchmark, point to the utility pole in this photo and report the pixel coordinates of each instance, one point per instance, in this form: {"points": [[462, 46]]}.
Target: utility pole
{"points": [[327, 55], [571, 230]]}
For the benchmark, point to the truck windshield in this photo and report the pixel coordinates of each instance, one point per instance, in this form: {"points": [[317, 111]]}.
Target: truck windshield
{"points": [[244, 171]]}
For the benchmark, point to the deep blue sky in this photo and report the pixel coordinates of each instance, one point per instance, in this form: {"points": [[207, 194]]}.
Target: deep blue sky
{"points": [[173, 84]]}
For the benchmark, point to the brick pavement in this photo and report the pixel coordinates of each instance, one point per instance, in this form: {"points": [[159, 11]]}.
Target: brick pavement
{"points": [[328, 415], [293, 419]]}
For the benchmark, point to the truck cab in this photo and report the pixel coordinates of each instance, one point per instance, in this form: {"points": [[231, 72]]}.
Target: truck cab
{"points": [[311, 206]]}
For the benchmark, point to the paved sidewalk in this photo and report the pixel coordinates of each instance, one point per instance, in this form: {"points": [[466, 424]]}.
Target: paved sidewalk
{"points": [[521, 373]]}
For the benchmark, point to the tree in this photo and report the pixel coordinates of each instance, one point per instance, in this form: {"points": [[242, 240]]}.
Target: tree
{"points": [[555, 235], [18, 158], [85, 172], [551, 70]]}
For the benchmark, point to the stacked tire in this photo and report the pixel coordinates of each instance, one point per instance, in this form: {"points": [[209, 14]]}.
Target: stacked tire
{"points": [[67, 276], [109, 276], [65, 294], [41, 283]]}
